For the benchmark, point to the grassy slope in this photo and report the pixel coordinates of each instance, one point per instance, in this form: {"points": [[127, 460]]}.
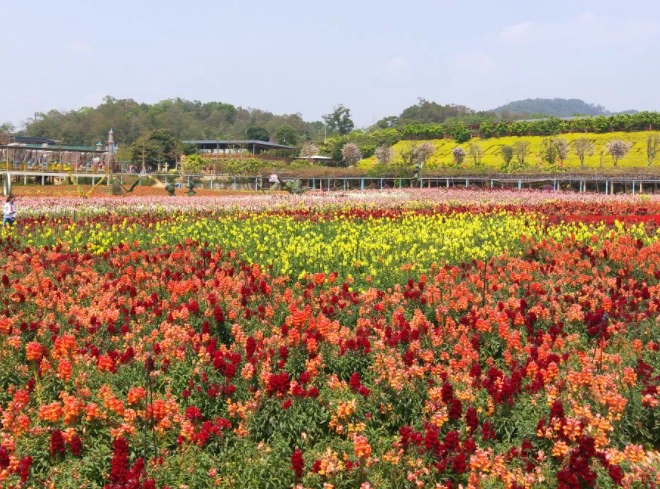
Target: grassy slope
{"points": [[492, 160]]}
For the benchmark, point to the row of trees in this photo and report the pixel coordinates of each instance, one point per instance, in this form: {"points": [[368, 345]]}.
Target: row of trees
{"points": [[553, 152]]}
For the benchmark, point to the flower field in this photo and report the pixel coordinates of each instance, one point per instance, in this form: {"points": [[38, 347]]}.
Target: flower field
{"points": [[374, 340]]}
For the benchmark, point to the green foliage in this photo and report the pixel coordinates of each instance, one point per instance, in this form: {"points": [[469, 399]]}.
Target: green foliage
{"points": [[188, 149], [426, 112], [460, 132], [367, 150], [257, 133], [558, 107], [286, 135], [193, 164], [507, 156], [339, 120], [158, 147], [186, 119]]}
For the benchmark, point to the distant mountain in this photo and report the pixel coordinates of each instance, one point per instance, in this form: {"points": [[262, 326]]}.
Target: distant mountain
{"points": [[558, 107]]}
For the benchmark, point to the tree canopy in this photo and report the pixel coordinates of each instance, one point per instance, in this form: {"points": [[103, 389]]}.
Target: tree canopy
{"points": [[184, 118], [339, 120]]}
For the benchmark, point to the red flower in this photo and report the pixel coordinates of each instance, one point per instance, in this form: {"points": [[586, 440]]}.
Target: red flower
{"points": [[297, 463], [75, 445], [56, 443]]}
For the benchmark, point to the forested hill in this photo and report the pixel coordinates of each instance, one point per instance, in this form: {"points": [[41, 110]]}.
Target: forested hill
{"points": [[558, 107], [186, 119]]}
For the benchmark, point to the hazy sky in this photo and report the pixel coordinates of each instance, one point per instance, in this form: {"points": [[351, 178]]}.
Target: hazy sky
{"points": [[287, 56]]}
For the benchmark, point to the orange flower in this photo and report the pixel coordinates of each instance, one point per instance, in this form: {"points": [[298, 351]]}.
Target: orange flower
{"points": [[33, 351], [361, 446], [135, 395], [64, 370]]}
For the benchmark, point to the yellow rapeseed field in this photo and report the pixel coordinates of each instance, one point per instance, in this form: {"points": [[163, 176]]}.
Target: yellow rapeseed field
{"points": [[492, 159]]}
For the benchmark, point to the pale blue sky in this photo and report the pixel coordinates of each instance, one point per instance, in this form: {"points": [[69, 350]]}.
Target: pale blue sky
{"points": [[291, 56]]}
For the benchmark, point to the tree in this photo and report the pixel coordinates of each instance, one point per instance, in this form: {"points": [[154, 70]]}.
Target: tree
{"points": [[257, 133], [426, 112], [339, 120], [506, 152], [652, 147], [308, 150], [286, 134], [459, 155], [554, 150], [156, 148], [388, 122], [476, 153], [351, 154], [563, 149], [521, 150], [193, 164], [460, 132], [384, 154], [408, 153], [416, 154], [618, 149], [423, 152], [583, 147], [7, 128]]}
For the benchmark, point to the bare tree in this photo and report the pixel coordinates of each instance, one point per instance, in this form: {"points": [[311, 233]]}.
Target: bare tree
{"points": [[617, 149], [476, 153], [563, 148], [652, 147], [424, 152], [308, 150], [384, 154], [506, 152], [459, 155], [408, 153], [351, 154], [521, 150], [583, 147], [554, 150]]}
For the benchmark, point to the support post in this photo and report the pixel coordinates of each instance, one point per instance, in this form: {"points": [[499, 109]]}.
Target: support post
{"points": [[491, 184], [381, 184], [607, 187], [344, 185], [362, 184], [467, 182], [519, 184], [633, 189], [233, 185]]}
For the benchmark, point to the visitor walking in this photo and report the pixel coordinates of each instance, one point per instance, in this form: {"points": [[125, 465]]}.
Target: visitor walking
{"points": [[10, 211]]}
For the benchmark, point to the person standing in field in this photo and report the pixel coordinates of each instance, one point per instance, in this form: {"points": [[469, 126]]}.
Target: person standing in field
{"points": [[10, 211]]}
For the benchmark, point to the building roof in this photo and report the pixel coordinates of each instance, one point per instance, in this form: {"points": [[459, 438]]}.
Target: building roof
{"points": [[34, 140], [62, 147], [224, 143]]}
